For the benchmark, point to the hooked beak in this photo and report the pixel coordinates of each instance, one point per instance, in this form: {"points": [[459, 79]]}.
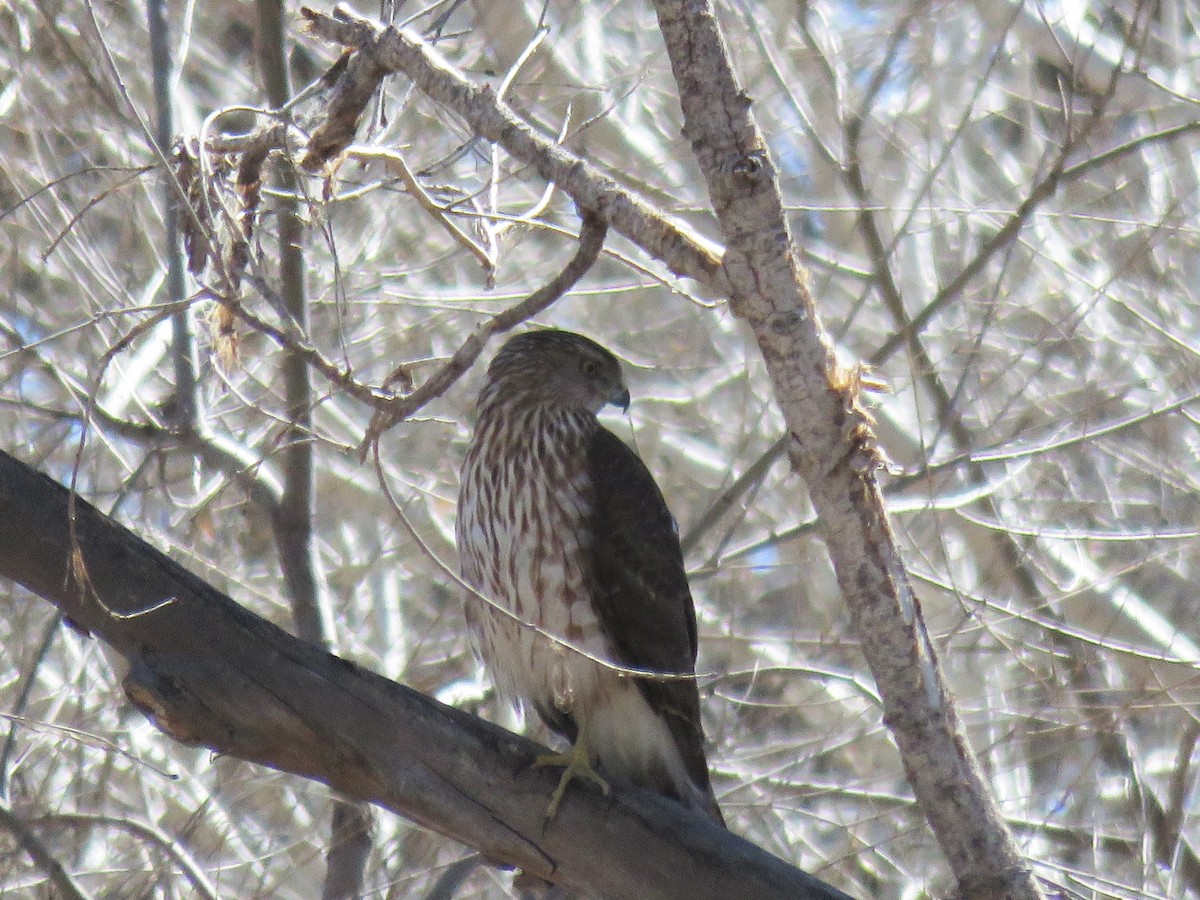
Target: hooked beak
{"points": [[621, 399]]}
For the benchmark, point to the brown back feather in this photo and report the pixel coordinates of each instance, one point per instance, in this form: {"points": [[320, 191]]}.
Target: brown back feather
{"points": [[642, 594]]}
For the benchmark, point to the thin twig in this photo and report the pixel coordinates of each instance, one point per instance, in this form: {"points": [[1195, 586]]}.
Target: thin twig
{"points": [[746, 481], [172, 848], [288, 336], [186, 408], [396, 163], [18, 708], [591, 241], [65, 885]]}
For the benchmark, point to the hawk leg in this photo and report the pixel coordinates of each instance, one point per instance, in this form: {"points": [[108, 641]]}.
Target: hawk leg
{"points": [[577, 763]]}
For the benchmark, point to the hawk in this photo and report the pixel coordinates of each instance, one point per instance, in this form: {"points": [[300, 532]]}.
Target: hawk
{"points": [[561, 525]]}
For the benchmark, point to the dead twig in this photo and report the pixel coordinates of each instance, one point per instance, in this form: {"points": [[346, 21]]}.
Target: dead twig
{"points": [[591, 242]]}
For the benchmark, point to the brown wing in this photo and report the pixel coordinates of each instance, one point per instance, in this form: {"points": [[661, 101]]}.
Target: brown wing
{"points": [[644, 603]]}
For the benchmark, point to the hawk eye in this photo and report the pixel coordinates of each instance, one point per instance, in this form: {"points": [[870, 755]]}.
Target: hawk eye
{"points": [[590, 367]]}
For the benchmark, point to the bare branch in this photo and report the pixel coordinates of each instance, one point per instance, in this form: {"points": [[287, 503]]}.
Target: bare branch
{"points": [[768, 289], [63, 883], [591, 242], [210, 673], [164, 842], [294, 523], [383, 50]]}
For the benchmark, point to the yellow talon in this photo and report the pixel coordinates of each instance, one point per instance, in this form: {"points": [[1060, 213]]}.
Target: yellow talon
{"points": [[577, 763]]}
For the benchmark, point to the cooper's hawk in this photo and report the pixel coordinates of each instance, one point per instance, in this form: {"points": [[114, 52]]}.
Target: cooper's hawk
{"points": [[560, 523]]}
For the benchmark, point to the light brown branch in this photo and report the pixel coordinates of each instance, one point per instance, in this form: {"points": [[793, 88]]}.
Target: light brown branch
{"points": [[396, 164], [828, 430], [384, 50]]}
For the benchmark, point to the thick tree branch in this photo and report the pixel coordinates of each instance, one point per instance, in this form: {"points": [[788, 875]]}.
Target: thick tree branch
{"points": [[768, 289], [210, 673]]}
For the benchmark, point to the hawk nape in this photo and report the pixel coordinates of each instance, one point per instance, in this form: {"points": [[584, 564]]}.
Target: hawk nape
{"points": [[562, 524]]}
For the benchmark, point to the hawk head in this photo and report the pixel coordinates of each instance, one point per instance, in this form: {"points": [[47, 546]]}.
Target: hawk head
{"points": [[557, 369]]}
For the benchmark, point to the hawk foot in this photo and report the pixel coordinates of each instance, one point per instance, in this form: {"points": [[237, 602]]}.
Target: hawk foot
{"points": [[577, 763]]}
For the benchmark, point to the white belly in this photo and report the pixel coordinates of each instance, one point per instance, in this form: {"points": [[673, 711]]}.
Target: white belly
{"points": [[523, 547], [537, 649]]}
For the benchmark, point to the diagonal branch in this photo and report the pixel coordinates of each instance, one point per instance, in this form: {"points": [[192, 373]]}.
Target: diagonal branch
{"points": [[591, 242], [381, 51], [64, 885], [210, 673], [831, 448]]}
